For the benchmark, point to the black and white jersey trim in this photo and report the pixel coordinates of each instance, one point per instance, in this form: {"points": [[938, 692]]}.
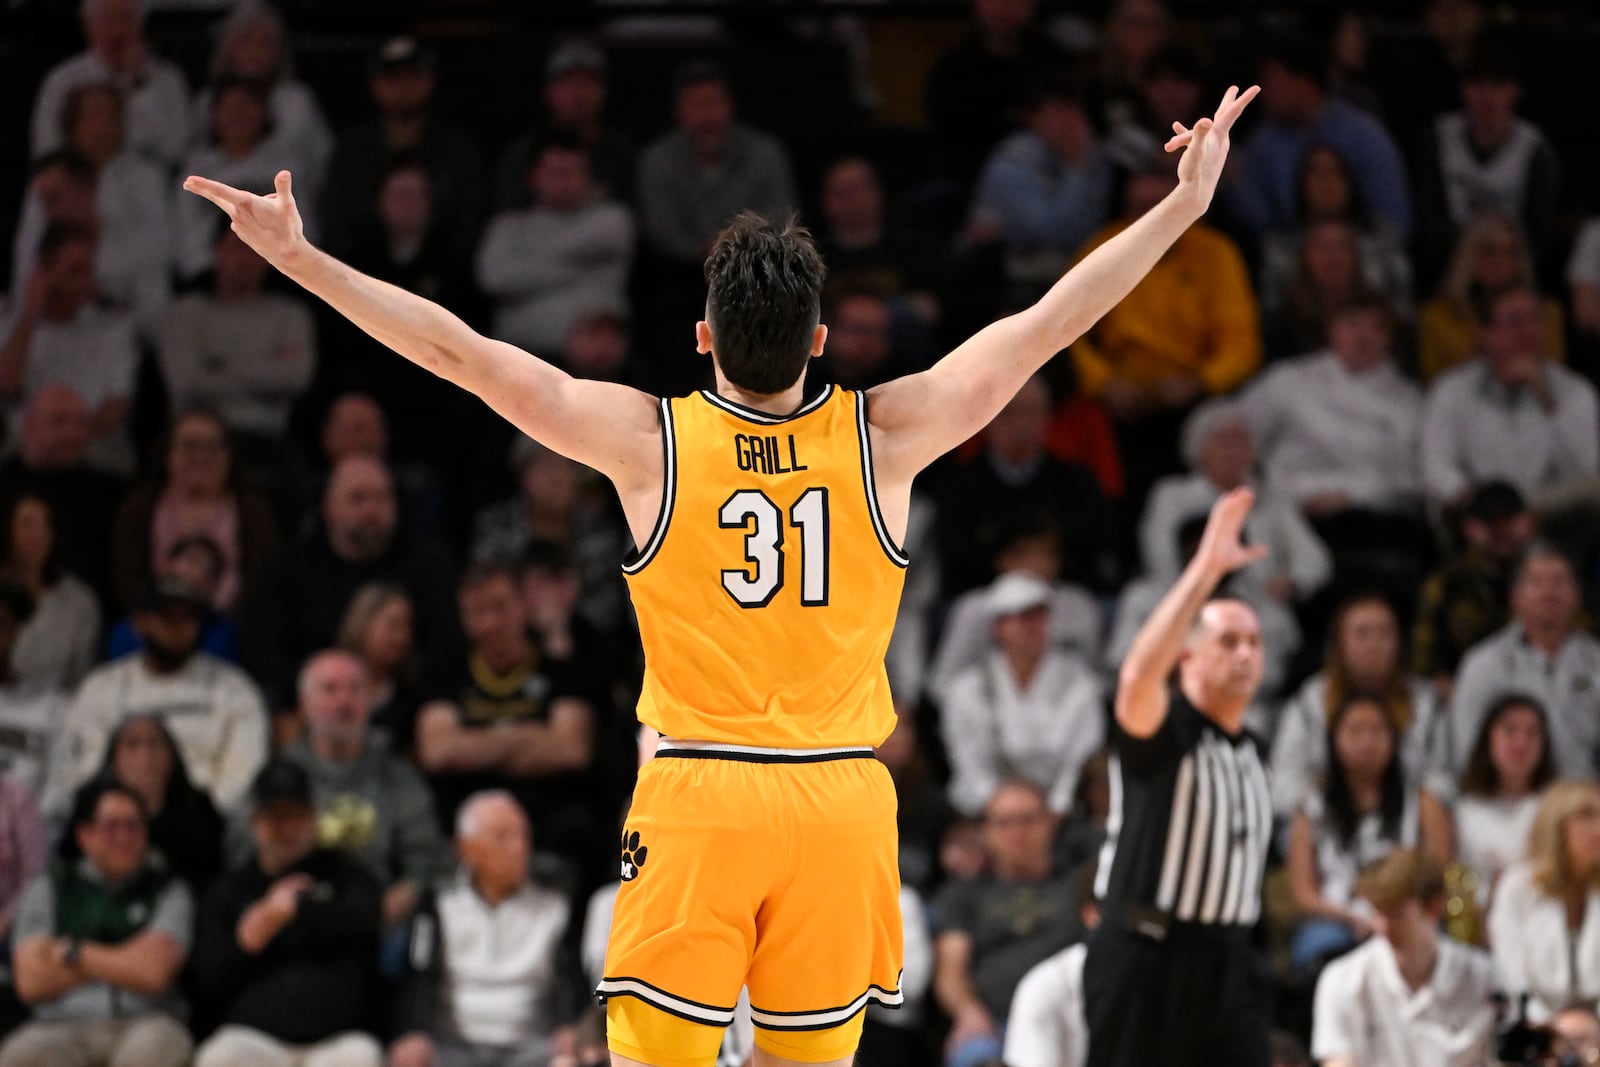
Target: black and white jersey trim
{"points": [[827, 1018], [669, 490], [656, 997], [766, 418], [896, 554]]}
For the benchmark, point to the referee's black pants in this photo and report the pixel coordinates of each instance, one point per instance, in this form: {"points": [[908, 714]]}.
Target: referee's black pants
{"points": [[1197, 997]]}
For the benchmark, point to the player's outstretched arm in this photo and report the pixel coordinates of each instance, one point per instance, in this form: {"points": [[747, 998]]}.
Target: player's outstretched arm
{"points": [[1142, 682], [609, 427], [922, 416]]}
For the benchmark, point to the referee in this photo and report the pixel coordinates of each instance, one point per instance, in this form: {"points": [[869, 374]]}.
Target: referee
{"points": [[1171, 978]]}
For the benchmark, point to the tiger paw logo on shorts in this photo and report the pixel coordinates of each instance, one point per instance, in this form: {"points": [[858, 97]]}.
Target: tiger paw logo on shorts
{"points": [[633, 855]]}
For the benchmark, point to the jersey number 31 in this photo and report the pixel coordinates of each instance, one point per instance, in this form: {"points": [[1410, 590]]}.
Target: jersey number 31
{"points": [[753, 511]]}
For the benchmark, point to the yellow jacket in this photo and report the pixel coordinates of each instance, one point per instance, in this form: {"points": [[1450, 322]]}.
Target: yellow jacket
{"points": [[1193, 313], [1447, 336]]}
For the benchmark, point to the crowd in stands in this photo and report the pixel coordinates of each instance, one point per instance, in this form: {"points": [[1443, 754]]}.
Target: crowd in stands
{"points": [[317, 680]]}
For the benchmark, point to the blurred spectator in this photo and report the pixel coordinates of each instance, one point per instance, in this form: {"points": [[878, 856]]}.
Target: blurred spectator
{"points": [[492, 972], [245, 353], [1508, 766], [1542, 654], [862, 350], [1327, 274], [370, 803], [155, 94], [1046, 1027], [253, 45], [973, 90], [1219, 451], [22, 848], [1490, 258], [1583, 276], [57, 335], [356, 424], [1364, 810], [99, 941], [50, 463], [30, 715], [924, 811], [197, 562], [199, 495], [1484, 158], [1577, 1035], [979, 502], [296, 603], [517, 720], [94, 181], [241, 151], [891, 1037], [1169, 87], [1299, 112], [1326, 191], [286, 942], [1469, 596], [1032, 548], [378, 630], [407, 246], [562, 501], [184, 828], [1024, 710], [61, 638], [863, 248], [1134, 33], [212, 708], [1189, 329], [597, 348], [402, 81], [1337, 428], [989, 931], [1544, 923], [708, 168], [1044, 190], [574, 102], [1363, 659], [1409, 996], [566, 254], [1513, 414], [1419, 68]]}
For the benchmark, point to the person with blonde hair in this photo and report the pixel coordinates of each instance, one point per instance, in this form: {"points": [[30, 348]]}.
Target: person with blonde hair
{"points": [[1544, 923], [1491, 255]]}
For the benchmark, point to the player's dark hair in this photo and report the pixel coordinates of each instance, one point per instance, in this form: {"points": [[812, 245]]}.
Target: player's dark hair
{"points": [[763, 301]]}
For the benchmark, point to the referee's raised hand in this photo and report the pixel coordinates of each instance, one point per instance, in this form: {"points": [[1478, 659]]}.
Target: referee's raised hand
{"points": [[1222, 547]]}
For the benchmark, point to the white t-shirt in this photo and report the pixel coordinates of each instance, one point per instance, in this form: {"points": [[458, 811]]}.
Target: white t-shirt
{"points": [[1367, 1013], [1046, 1027], [1492, 834]]}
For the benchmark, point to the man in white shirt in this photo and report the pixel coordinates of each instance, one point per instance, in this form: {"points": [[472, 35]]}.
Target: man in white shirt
{"points": [[568, 254], [157, 95], [1412, 997], [57, 334], [213, 710], [1513, 415], [1046, 1026], [1337, 429], [490, 955], [1543, 654]]}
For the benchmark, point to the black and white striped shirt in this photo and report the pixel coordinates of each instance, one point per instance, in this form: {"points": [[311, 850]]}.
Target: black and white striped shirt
{"points": [[1191, 819]]}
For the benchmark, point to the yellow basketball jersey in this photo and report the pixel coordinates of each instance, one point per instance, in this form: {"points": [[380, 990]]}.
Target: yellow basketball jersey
{"points": [[768, 589]]}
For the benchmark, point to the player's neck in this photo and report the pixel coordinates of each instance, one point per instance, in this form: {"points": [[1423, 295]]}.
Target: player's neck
{"points": [[784, 403]]}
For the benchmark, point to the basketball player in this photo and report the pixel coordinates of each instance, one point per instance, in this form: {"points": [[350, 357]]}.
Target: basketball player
{"points": [[761, 845]]}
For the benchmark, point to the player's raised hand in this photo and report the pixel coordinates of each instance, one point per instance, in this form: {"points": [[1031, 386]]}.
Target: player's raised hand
{"points": [[269, 224], [1222, 546], [1205, 147]]}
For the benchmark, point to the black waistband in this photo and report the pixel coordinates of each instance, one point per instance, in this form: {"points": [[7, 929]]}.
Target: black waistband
{"points": [[747, 756]]}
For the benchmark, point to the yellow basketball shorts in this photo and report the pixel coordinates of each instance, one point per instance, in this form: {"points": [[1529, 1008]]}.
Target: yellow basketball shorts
{"points": [[768, 868]]}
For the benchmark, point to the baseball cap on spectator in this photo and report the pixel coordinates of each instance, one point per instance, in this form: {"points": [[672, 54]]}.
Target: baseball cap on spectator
{"points": [[280, 781], [402, 53], [1495, 500], [162, 591], [1015, 592], [574, 55]]}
